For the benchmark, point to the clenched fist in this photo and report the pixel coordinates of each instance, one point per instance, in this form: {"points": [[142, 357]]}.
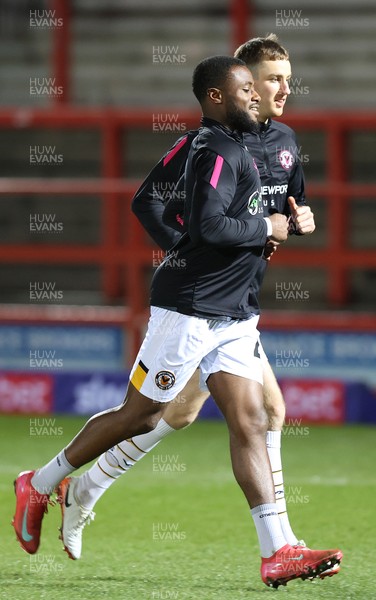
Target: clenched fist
{"points": [[280, 227]]}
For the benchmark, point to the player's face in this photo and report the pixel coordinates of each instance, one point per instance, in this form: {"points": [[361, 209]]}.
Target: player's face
{"points": [[242, 100], [272, 79]]}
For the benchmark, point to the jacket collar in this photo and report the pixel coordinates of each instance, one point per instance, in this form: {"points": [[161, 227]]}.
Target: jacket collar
{"points": [[207, 122], [265, 126]]}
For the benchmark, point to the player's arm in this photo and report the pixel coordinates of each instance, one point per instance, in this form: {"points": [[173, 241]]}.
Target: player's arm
{"points": [[148, 206], [210, 199], [148, 203], [173, 215]]}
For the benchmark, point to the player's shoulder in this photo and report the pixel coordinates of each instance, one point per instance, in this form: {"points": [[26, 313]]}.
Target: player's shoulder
{"points": [[191, 135], [186, 140], [180, 148], [219, 141]]}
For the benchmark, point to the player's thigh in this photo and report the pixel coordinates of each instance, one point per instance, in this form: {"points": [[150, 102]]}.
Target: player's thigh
{"points": [[183, 410], [241, 402]]}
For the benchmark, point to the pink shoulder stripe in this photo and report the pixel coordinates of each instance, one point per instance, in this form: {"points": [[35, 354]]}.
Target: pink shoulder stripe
{"points": [[174, 150], [216, 171]]}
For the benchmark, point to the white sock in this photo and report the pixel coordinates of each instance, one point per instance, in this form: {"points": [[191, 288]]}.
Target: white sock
{"points": [[273, 443], [268, 528], [48, 477], [115, 462]]}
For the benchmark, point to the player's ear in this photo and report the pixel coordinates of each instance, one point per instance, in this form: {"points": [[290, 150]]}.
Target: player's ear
{"points": [[215, 95]]}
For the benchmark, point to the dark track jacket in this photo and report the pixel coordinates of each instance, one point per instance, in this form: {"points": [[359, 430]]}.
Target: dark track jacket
{"points": [[212, 270]]}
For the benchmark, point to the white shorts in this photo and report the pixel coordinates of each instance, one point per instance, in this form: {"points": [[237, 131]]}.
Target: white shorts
{"points": [[175, 345]]}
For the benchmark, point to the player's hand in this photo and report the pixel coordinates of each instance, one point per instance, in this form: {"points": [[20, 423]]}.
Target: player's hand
{"points": [[302, 216], [269, 249], [280, 227]]}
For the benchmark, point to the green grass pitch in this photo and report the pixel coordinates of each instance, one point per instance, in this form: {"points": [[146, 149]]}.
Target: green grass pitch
{"points": [[177, 526]]}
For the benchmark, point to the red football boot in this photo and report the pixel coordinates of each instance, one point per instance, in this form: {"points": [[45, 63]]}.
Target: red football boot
{"points": [[297, 562], [30, 509]]}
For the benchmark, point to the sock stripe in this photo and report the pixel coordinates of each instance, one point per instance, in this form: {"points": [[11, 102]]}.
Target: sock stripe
{"points": [[127, 455], [135, 445], [105, 472]]}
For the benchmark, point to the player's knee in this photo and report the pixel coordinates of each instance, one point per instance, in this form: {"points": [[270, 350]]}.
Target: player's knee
{"points": [[259, 423], [248, 426], [184, 410], [144, 419], [148, 425], [273, 401], [180, 420], [276, 412]]}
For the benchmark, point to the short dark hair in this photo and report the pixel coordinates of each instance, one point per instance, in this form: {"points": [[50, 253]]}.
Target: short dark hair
{"points": [[213, 72], [262, 48]]}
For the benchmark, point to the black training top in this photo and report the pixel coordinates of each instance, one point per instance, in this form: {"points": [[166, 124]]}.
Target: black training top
{"points": [[212, 270]]}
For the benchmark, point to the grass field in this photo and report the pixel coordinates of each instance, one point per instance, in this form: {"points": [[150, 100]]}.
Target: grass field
{"points": [[184, 531]]}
